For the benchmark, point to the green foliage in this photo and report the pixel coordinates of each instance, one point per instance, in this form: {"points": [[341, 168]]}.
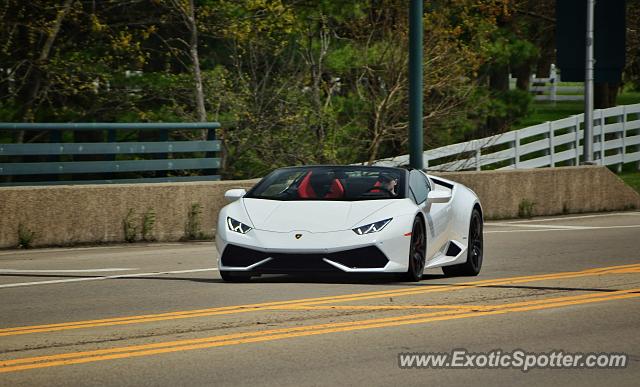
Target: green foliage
{"points": [[631, 176], [25, 236], [631, 74], [344, 57], [510, 51], [526, 208], [292, 82], [510, 105], [143, 230], [192, 227], [148, 223], [129, 227]]}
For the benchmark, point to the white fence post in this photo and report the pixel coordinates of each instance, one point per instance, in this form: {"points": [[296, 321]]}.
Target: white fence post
{"points": [[621, 136], [577, 143], [551, 145], [601, 137], [517, 150], [637, 148], [554, 83], [478, 154]]}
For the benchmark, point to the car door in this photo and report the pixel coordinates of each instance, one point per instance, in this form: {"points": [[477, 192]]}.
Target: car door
{"points": [[419, 189], [439, 215]]}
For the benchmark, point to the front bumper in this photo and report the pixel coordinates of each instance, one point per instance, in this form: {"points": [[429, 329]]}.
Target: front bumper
{"points": [[261, 251], [363, 258]]}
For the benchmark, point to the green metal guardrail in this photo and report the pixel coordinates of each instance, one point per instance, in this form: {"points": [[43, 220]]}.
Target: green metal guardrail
{"points": [[40, 163]]}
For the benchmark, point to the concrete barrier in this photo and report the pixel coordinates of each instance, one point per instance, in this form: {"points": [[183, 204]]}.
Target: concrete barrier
{"points": [[70, 215], [550, 191]]}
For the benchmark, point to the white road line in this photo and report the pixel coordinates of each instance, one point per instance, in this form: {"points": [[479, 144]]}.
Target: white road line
{"points": [[203, 245], [82, 279], [555, 226], [630, 213], [563, 229], [8, 271]]}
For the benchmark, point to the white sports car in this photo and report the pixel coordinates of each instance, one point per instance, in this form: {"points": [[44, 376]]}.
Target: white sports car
{"points": [[355, 219]]}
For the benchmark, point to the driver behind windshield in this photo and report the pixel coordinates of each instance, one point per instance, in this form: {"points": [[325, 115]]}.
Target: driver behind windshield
{"points": [[386, 184]]}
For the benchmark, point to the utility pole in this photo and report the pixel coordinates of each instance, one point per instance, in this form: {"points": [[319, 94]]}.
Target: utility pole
{"points": [[588, 87], [415, 84]]}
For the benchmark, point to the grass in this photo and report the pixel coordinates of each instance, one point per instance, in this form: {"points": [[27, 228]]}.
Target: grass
{"points": [[543, 111], [631, 176], [632, 179], [628, 97]]}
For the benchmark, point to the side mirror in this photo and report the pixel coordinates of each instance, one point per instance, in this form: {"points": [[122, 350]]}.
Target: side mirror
{"points": [[234, 194], [438, 197]]}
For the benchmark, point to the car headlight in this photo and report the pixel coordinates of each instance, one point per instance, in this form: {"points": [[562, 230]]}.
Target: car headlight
{"points": [[236, 226], [373, 227]]}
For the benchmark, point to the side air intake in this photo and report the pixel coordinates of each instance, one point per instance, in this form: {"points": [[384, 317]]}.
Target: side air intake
{"points": [[453, 249]]}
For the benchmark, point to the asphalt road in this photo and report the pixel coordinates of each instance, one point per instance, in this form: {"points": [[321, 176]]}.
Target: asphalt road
{"points": [[159, 314]]}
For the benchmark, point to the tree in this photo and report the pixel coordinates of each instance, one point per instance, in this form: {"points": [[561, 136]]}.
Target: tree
{"points": [[632, 69], [291, 81]]}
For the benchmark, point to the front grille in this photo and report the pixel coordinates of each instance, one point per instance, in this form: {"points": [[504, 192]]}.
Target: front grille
{"points": [[289, 263], [361, 258]]}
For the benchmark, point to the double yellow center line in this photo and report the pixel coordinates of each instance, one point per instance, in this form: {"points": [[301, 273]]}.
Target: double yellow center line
{"points": [[309, 330], [311, 303]]}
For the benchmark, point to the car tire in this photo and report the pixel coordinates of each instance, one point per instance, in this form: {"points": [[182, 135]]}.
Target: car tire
{"points": [[233, 276], [417, 252], [474, 252]]}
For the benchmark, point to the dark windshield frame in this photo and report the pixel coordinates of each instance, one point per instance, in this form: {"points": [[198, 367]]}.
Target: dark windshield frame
{"points": [[401, 188]]}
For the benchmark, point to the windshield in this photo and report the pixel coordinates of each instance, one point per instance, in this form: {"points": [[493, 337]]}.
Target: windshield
{"points": [[331, 183]]}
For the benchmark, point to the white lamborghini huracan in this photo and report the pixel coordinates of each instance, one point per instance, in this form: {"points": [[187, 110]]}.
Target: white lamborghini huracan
{"points": [[355, 219]]}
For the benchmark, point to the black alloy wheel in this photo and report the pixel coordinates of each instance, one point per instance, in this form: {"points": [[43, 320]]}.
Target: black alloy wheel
{"points": [[417, 252], [474, 253]]}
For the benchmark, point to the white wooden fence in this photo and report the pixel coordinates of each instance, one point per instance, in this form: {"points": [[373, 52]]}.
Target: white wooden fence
{"points": [[616, 141], [549, 89]]}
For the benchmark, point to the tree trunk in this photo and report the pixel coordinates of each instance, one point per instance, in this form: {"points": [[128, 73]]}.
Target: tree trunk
{"points": [[498, 83], [523, 75], [601, 95], [195, 60], [34, 77], [27, 109], [499, 79], [614, 88], [543, 67], [605, 94]]}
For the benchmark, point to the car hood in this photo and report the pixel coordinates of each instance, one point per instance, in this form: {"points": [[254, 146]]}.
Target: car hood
{"points": [[310, 215]]}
